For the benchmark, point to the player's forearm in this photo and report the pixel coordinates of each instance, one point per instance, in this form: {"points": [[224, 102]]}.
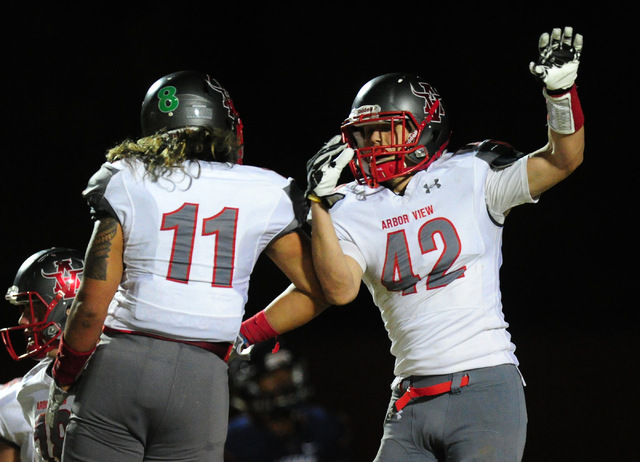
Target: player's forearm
{"points": [[566, 130], [288, 311], [84, 326], [79, 340], [293, 309], [338, 282], [292, 254]]}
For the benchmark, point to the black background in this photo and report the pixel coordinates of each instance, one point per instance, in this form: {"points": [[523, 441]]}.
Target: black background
{"points": [[73, 80]]}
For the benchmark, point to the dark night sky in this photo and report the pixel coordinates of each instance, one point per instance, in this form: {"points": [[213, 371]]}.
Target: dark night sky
{"points": [[73, 82]]}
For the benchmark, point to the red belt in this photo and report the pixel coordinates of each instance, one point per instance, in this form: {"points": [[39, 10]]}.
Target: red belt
{"points": [[221, 349], [433, 390]]}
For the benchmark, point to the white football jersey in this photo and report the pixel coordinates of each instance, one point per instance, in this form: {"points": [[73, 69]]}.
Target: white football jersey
{"points": [[33, 396], [431, 260], [14, 427], [191, 243]]}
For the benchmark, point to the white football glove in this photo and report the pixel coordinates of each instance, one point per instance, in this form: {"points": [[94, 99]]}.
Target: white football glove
{"points": [[240, 350], [557, 65], [57, 396], [324, 169]]}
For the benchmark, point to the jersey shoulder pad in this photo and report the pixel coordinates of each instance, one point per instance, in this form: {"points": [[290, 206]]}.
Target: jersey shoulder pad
{"points": [[300, 205], [263, 174], [497, 154], [94, 192]]}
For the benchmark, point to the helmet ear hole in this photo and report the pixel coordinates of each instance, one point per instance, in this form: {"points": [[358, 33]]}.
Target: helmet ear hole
{"points": [[418, 154], [50, 332]]}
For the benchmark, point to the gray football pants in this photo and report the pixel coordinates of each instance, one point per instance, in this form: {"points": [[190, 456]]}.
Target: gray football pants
{"points": [[144, 399], [483, 421]]}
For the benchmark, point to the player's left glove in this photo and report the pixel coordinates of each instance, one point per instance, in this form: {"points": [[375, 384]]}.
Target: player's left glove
{"points": [[66, 369], [57, 396], [557, 69], [241, 349], [558, 61], [324, 169]]}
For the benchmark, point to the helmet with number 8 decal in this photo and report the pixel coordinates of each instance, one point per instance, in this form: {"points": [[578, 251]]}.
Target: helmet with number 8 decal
{"points": [[188, 99], [413, 112], [45, 286]]}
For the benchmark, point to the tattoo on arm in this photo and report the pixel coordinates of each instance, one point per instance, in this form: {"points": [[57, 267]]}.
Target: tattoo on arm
{"points": [[96, 264]]}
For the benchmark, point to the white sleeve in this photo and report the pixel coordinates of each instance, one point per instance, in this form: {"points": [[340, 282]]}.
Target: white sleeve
{"points": [[352, 250], [14, 427], [506, 188]]}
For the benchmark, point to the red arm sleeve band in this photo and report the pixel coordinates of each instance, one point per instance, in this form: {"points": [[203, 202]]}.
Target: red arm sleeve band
{"points": [[257, 329], [68, 364]]}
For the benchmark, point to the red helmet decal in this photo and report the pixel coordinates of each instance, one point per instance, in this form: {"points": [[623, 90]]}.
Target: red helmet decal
{"points": [[431, 98], [226, 98], [66, 277]]}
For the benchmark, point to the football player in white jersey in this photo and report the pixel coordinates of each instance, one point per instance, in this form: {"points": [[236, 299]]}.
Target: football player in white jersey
{"points": [[422, 228], [180, 223], [16, 435], [44, 287]]}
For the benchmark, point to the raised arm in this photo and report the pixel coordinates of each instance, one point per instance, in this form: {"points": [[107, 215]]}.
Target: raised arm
{"points": [[339, 275], [313, 276], [557, 69]]}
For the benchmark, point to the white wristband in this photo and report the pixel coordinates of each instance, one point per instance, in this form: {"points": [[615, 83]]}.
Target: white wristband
{"points": [[564, 111]]}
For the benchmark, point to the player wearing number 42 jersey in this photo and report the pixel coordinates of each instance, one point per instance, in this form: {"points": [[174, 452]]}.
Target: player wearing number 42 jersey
{"points": [[180, 224], [422, 228]]}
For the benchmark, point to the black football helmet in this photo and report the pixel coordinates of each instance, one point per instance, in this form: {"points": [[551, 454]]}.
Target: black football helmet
{"points": [[45, 286], [189, 99], [419, 125]]}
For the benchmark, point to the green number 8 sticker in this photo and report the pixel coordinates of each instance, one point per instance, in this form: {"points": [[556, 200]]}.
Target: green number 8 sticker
{"points": [[167, 100]]}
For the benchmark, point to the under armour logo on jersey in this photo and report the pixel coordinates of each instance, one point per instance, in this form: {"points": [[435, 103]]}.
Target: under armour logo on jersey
{"points": [[67, 278], [393, 414], [436, 184]]}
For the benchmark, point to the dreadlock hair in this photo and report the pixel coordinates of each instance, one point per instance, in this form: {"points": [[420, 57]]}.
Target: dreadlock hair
{"points": [[165, 151]]}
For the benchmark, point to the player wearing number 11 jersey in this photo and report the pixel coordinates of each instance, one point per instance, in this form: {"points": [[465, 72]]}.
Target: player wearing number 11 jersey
{"points": [[193, 240], [180, 223]]}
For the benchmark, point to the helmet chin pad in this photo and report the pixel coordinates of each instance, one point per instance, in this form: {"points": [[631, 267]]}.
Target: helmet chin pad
{"points": [[373, 166]]}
